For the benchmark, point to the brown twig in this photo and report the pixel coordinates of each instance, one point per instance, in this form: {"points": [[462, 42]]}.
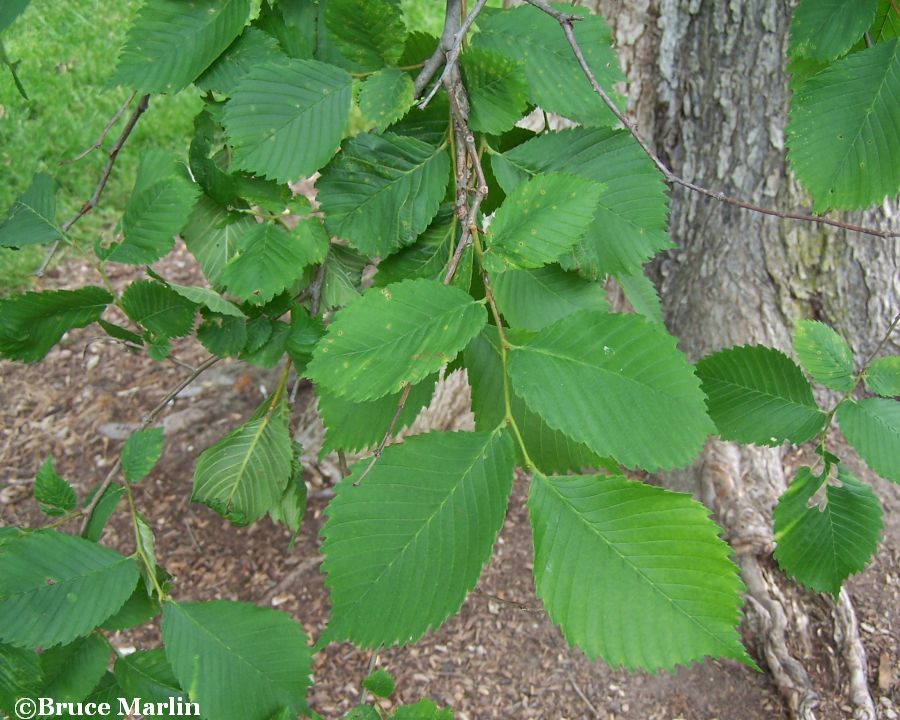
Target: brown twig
{"points": [[318, 284], [92, 202], [565, 22], [438, 57], [511, 603], [584, 698], [884, 341], [102, 136], [88, 511], [467, 153], [452, 52], [364, 693]]}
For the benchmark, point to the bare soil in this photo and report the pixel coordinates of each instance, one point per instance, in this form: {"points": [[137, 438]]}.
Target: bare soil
{"points": [[500, 657]]}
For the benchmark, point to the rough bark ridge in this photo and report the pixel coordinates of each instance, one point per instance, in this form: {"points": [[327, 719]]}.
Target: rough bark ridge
{"points": [[708, 85]]}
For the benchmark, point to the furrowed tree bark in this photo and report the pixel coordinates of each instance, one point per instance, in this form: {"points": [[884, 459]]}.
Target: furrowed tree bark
{"points": [[709, 89]]}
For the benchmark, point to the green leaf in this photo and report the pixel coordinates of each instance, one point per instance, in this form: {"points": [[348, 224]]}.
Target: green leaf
{"points": [[107, 691], [634, 574], [883, 376], [428, 257], [70, 672], [429, 125], [20, 675], [631, 216], [386, 96], [120, 333], [209, 299], [33, 322], [556, 82], [355, 426], [289, 512], [245, 474], [343, 275], [138, 609], [886, 25], [825, 355], [392, 336], [293, 24], [380, 683], [642, 294], [404, 546], [306, 331], [539, 221], [270, 353], [534, 299], [54, 495], [212, 234], [873, 428], [367, 33], [10, 10], [287, 120], [618, 384], [382, 191], [254, 660], [825, 29], [32, 218], [141, 452], [147, 675], [422, 710], [251, 49], [223, 336], [549, 449], [822, 546], [269, 259], [158, 208], [159, 309], [103, 511], [55, 588], [171, 43], [498, 92], [758, 395], [839, 136]]}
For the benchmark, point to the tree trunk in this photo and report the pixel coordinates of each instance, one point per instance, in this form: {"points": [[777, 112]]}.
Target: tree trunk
{"points": [[708, 87]]}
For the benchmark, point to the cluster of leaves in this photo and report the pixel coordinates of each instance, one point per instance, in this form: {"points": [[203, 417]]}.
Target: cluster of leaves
{"points": [[362, 295], [845, 66]]}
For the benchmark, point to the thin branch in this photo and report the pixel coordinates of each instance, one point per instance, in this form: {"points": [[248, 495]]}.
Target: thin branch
{"points": [[511, 603], [364, 693], [565, 22], [467, 154], [452, 53], [884, 341], [584, 698], [387, 434], [101, 185], [88, 511], [560, 17], [316, 288], [438, 57], [102, 136]]}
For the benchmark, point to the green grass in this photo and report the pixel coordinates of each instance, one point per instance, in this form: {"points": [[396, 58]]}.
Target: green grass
{"points": [[67, 51]]}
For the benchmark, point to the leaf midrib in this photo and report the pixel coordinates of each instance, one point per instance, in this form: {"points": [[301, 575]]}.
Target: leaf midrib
{"points": [[614, 550], [865, 120], [477, 457]]}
